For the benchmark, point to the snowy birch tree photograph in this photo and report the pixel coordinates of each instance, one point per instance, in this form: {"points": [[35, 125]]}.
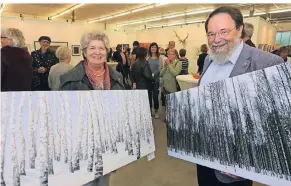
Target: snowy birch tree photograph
{"points": [[239, 125], [57, 138]]}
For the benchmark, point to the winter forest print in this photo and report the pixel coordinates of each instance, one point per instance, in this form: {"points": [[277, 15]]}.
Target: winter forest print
{"points": [[241, 125], [71, 137]]}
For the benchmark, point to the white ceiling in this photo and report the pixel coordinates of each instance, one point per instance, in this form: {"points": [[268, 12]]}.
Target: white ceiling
{"points": [[93, 11]]}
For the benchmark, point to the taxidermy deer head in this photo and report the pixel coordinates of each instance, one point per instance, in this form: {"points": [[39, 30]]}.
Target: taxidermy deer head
{"points": [[183, 42]]}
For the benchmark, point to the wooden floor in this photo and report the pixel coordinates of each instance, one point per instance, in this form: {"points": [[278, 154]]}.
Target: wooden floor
{"points": [[161, 171]]}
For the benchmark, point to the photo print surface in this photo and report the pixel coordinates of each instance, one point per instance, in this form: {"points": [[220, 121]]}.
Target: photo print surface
{"points": [[71, 137], [239, 125]]}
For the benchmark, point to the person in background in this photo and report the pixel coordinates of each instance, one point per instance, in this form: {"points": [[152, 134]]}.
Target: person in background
{"points": [[163, 56], [133, 53], [277, 46], [123, 67], [169, 71], [64, 54], [43, 60], [229, 57], [155, 61], [16, 62], [109, 56], [171, 46], [248, 33], [184, 61], [141, 72], [201, 58], [283, 52]]}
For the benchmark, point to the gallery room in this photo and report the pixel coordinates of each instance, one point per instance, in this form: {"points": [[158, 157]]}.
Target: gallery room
{"points": [[156, 94]]}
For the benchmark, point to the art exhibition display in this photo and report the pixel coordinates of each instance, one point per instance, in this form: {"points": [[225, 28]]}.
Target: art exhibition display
{"points": [[69, 138], [239, 125]]}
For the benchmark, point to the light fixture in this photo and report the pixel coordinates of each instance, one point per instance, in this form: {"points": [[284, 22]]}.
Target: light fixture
{"points": [[167, 17], [177, 23], [105, 18], [161, 4], [123, 13], [2, 7], [279, 11], [67, 11], [255, 14], [142, 8]]}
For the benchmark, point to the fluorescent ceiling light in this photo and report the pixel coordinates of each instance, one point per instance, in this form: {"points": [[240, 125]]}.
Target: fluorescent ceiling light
{"points": [[279, 11], [172, 16], [255, 14], [142, 8], [198, 21], [199, 12], [105, 18], [161, 4], [121, 14], [154, 19], [67, 11], [174, 24]]}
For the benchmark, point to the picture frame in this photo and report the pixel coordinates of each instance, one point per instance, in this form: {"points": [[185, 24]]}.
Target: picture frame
{"points": [[76, 50], [54, 45]]}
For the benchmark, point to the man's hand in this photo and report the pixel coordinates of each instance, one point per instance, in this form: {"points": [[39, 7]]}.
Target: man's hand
{"points": [[230, 175], [41, 70]]}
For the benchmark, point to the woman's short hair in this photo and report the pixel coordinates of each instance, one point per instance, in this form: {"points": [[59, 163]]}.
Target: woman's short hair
{"points": [[94, 35], [203, 48], [283, 49], [157, 52], [63, 52], [141, 53], [15, 35]]}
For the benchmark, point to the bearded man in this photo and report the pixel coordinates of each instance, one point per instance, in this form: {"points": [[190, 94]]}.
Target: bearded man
{"points": [[229, 57], [43, 60]]}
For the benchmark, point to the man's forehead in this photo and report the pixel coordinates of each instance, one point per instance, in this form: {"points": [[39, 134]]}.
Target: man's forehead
{"points": [[221, 21]]}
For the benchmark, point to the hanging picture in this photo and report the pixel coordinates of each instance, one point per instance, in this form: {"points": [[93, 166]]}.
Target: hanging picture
{"points": [[76, 51], [239, 125], [69, 138]]}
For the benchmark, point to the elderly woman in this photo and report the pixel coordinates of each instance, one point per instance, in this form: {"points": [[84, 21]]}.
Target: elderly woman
{"points": [[169, 71], [63, 53], [93, 73], [16, 63]]}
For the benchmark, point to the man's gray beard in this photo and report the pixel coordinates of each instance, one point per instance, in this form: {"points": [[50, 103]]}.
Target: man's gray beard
{"points": [[222, 57]]}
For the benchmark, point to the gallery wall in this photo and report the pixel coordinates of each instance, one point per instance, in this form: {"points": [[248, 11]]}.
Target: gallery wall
{"points": [[264, 33]]}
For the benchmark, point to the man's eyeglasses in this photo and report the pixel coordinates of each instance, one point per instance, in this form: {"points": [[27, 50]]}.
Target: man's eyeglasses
{"points": [[223, 33]]}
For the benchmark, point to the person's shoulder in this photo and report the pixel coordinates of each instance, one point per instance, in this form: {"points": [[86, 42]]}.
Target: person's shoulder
{"points": [[263, 59]]}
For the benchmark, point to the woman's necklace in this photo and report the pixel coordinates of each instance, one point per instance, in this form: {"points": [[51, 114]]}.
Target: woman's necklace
{"points": [[95, 73]]}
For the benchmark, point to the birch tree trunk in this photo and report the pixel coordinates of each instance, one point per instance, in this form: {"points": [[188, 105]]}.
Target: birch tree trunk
{"points": [[78, 150], [63, 130], [4, 121], [21, 141], [69, 132], [31, 134], [57, 136], [43, 141], [51, 139], [16, 175], [90, 137]]}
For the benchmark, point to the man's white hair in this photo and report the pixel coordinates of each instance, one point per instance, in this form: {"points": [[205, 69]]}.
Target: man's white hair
{"points": [[249, 29]]}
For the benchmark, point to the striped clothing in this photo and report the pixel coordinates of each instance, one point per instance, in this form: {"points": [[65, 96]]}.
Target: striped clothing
{"points": [[185, 66]]}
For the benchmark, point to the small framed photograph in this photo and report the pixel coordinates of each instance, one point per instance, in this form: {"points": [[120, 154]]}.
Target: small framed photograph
{"points": [[76, 50]]}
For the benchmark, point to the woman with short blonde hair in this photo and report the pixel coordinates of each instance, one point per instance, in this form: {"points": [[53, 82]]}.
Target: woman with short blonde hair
{"points": [[63, 53], [12, 37]]}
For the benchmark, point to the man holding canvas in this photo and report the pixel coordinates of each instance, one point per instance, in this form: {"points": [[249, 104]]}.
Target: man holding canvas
{"points": [[229, 57]]}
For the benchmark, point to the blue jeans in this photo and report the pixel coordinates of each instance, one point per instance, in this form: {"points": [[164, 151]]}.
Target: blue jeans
{"points": [[154, 94]]}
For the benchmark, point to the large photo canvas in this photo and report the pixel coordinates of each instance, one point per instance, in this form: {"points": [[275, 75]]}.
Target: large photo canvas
{"points": [[71, 137], [240, 125]]}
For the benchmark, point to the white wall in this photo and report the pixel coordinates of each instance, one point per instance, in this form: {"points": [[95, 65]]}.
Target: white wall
{"points": [[285, 26], [266, 33]]}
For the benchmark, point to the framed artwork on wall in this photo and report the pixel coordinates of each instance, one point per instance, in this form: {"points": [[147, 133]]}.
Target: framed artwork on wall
{"points": [[76, 50], [53, 46]]}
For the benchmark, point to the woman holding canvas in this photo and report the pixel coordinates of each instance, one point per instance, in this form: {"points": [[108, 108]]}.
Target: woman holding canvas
{"points": [[93, 73]]}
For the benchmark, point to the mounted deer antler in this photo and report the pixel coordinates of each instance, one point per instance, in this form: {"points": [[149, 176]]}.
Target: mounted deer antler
{"points": [[183, 42]]}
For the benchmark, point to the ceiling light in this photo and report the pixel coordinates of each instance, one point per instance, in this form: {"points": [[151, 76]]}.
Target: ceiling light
{"points": [[198, 21], [105, 18], [199, 12], [121, 14], [174, 24], [66, 11], [154, 19], [279, 11], [161, 4], [172, 16], [255, 14], [142, 8]]}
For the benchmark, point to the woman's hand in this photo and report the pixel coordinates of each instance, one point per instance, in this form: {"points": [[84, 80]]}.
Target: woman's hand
{"points": [[230, 175]]}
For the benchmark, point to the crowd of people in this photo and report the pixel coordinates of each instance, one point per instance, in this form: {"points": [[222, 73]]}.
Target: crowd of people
{"points": [[154, 69]]}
